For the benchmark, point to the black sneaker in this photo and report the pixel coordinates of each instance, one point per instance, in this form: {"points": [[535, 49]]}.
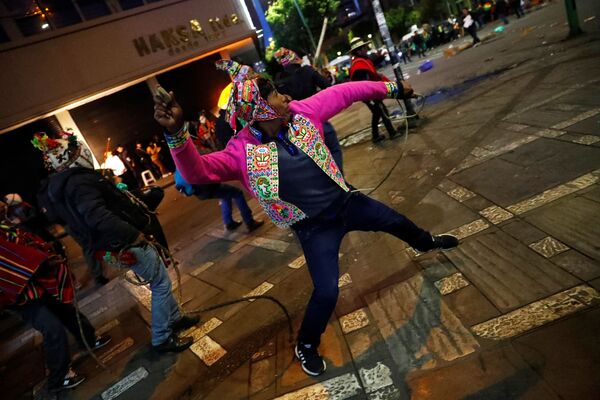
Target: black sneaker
{"points": [[101, 341], [378, 139], [254, 225], [441, 242], [232, 226], [174, 344], [308, 355], [70, 381], [184, 323]]}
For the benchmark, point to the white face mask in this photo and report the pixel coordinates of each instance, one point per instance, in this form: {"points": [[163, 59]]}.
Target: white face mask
{"points": [[63, 157]]}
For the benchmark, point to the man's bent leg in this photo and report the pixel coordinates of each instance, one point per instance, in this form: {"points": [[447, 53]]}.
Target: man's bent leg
{"points": [[363, 213], [320, 243], [66, 313], [56, 344]]}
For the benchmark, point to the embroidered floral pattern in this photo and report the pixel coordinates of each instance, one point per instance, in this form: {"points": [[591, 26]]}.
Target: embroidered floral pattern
{"points": [[263, 170], [263, 174], [306, 137]]}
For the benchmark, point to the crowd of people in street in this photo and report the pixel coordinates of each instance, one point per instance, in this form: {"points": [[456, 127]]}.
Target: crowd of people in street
{"points": [[130, 167], [417, 43]]}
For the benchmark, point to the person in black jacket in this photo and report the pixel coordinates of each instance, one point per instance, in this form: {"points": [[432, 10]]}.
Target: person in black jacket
{"points": [[300, 82], [116, 227], [363, 69]]}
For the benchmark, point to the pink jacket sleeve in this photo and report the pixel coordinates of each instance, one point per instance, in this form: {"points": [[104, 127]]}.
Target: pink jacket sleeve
{"points": [[328, 102], [219, 166]]}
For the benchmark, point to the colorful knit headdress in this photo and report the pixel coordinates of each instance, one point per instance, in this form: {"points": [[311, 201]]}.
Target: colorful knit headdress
{"points": [[63, 153], [286, 57], [245, 102]]}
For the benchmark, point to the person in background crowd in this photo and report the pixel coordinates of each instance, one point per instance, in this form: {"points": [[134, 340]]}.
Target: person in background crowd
{"points": [[144, 160], [469, 26], [223, 131], [35, 284], [153, 151], [516, 7], [404, 52], [419, 44], [102, 218], [113, 163], [326, 73], [300, 82], [280, 156], [363, 69], [26, 217], [132, 174], [487, 11], [206, 138], [480, 14], [502, 11], [225, 193]]}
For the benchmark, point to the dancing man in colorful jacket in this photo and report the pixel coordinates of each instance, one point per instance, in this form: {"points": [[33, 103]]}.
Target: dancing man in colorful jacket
{"points": [[280, 157]]}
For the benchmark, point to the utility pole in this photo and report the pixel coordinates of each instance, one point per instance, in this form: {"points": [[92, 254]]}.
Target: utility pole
{"points": [[310, 36], [387, 39], [573, 18]]}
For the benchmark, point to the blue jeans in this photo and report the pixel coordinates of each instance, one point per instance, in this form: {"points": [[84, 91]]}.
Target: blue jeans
{"points": [[165, 311], [227, 193], [321, 237]]}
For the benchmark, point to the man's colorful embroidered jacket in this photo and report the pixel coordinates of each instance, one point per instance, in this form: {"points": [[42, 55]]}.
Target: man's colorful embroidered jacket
{"points": [[255, 165]]}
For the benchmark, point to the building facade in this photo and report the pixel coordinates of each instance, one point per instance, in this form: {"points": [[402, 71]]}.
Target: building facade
{"points": [[90, 66]]}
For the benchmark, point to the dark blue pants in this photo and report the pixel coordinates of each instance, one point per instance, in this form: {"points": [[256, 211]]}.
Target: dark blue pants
{"points": [[321, 237]]}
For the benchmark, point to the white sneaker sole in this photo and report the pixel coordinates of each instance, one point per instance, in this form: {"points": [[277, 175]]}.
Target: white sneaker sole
{"points": [[306, 370]]}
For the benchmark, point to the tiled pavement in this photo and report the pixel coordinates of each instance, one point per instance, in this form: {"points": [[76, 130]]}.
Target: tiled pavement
{"points": [[512, 313]]}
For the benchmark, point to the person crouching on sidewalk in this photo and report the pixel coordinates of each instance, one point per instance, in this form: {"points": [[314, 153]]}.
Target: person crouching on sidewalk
{"points": [[35, 284], [280, 157]]}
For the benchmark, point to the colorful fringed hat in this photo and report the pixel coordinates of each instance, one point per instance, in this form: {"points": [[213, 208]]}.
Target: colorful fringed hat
{"points": [[65, 152], [245, 102], [286, 57]]}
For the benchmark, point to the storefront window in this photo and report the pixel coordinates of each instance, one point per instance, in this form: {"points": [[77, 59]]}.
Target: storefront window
{"points": [[93, 8], [42, 15], [127, 4], [60, 12]]}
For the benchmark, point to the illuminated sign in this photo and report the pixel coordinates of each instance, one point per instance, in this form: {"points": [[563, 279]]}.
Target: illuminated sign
{"points": [[183, 37]]}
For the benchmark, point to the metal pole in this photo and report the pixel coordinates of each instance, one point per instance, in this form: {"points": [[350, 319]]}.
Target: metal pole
{"points": [[387, 39], [310, 36], [320, 40], [573, 18]]}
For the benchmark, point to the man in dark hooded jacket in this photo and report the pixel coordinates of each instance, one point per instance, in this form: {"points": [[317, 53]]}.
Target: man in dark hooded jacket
{"points": [[300, 82], [114, 225]]}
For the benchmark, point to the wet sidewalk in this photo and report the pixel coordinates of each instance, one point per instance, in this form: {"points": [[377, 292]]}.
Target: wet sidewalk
{"points": [[511, 166]]}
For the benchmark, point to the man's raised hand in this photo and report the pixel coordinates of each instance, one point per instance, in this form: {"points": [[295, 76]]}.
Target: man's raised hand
{"points": [[167, 112]]}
